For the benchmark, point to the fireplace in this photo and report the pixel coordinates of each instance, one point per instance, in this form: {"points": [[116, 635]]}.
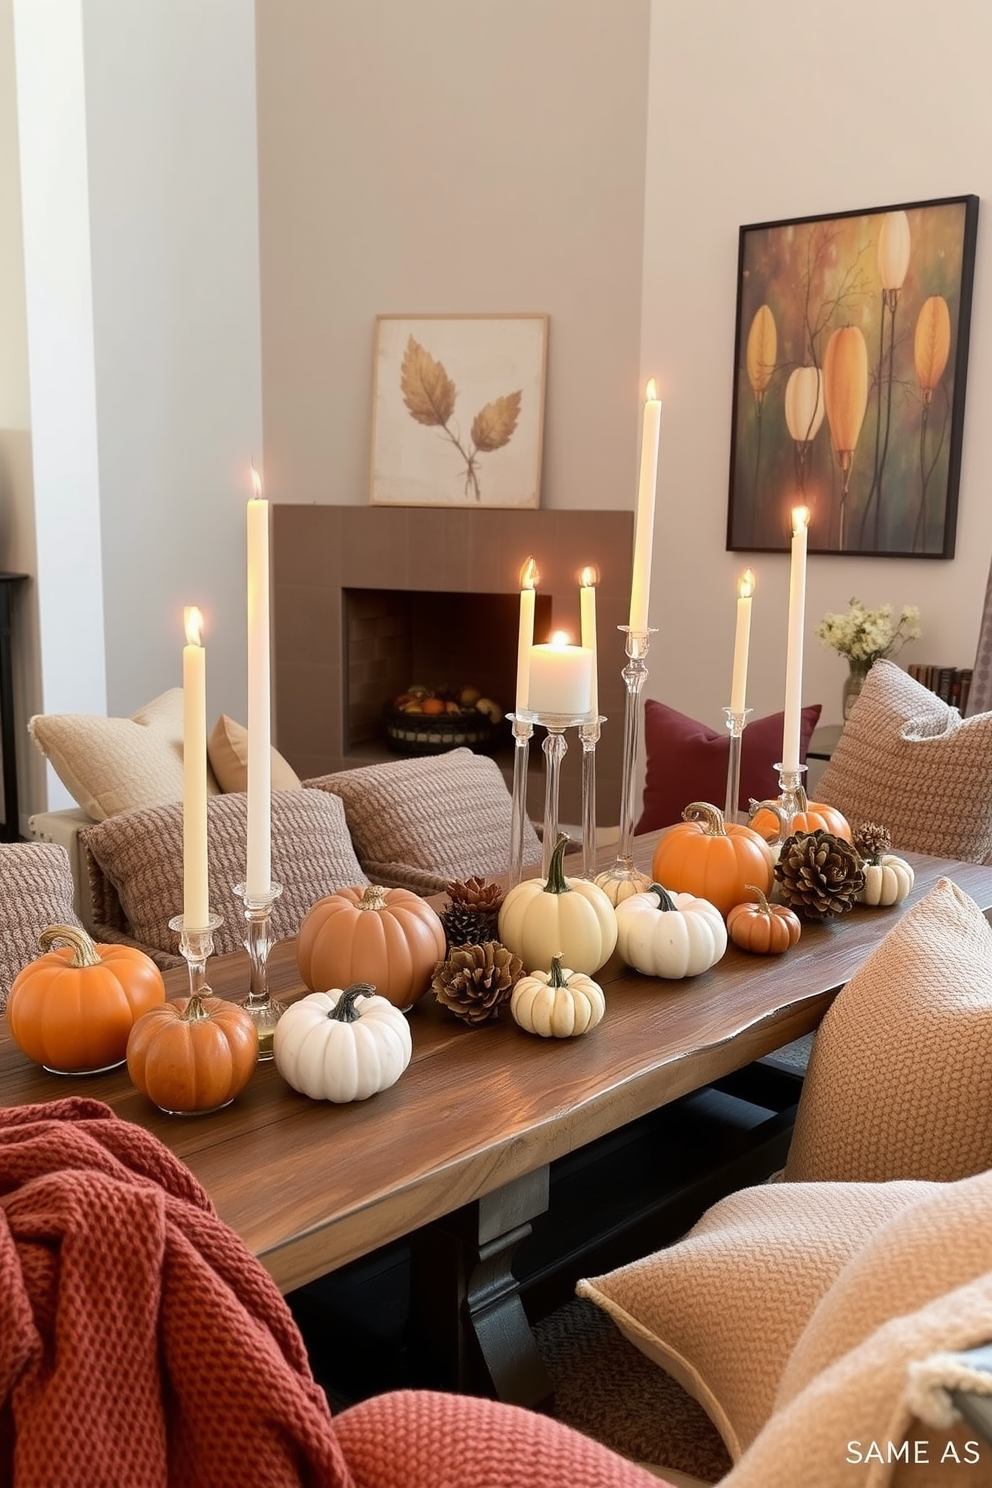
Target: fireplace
{"points": [[367, 600]]}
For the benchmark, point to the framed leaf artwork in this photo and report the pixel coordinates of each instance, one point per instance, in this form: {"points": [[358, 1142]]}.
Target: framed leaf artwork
{"points": [[458, 410]]}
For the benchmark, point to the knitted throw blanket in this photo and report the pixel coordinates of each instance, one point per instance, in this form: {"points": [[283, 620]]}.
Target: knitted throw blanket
{"points": [[141, 1344]]}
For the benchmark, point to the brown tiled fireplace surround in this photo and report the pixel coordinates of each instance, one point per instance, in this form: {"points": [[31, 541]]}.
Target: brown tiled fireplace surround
{"points": [[367, 600]]}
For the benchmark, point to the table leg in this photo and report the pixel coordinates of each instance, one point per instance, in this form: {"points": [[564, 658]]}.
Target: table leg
{"points": [[467, 1321]]}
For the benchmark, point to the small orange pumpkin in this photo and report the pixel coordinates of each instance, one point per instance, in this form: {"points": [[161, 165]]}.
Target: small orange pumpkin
{"points": [[812, 816], [73, 1008], [710, 859], [193, 1054], [766, 929], [389, 937]]}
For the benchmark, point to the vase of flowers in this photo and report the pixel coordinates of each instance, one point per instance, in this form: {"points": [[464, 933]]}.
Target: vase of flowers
{"points": [[862, 636]]}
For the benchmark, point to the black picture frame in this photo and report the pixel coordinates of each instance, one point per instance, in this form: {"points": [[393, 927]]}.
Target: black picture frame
{"points": [[850, 365]]}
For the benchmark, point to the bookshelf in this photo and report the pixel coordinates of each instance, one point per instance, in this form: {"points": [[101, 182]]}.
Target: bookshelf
{"points": [[950, 683]]}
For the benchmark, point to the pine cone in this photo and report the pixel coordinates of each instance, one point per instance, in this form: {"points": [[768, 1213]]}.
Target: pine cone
{"points": [[471, 916], [476, 980], [871, 841], [819, 874]]}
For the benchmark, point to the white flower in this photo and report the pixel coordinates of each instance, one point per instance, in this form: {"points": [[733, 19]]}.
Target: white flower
{"points": [[864, 635]]}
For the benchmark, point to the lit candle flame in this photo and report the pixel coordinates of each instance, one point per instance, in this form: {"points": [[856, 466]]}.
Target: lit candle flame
{"points": [[651, 392], [256, 481], [193, 621], [530, 575], [745, 589], [800, 518], [561, 638], [589, 577]]}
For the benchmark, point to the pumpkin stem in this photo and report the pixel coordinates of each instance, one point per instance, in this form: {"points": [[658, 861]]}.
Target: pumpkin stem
{"points": [[763, 904], [710, 816], [194, 1011], [344, 1010], [778, 810], [555, 978], [556, 882], [373, 898], [84, 952], [665, 900]]}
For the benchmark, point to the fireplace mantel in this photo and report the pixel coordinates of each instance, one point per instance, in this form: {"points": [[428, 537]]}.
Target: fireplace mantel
{"points": [[322, 553]]}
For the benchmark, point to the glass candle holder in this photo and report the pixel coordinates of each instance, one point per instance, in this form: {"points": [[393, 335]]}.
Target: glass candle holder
{"points": [[522, 734], [555, 747], [792, 796], [736, 723], [637, 644], [589, 735], [196, 944], [265, 1012]]}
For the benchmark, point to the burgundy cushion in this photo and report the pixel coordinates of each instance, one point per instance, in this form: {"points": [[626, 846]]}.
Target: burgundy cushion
{"points": [[688, 762]]}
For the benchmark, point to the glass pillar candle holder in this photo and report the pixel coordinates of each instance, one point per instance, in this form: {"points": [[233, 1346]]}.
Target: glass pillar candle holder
{"points": [[196, 944], [264, 1011], [736, 723], [637, 643], [555, 747]]}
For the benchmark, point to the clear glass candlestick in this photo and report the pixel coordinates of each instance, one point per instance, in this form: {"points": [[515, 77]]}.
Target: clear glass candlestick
{"points": [[736, 723], [589, 735], [522, 733], [555, 747], [196, 944], [264, 1010], [792, 796], [637, 643]]}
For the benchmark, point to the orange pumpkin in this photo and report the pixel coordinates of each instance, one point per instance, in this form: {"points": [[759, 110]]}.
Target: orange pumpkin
{"points": [[73, 1008], [704, 856], [193, 1054], [766, 929], [811, 817], [389, 937]]}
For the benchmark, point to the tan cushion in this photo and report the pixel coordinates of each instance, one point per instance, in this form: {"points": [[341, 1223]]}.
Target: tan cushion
{"points": [[227, 751], [117, 764], [899, 1082], [435, 819], [722, 1309], [135, 865], [868, 1365], [35, 892], [906, 759]]}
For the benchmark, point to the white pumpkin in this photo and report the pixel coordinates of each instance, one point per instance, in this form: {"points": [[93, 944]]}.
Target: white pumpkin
{"points": [[617, 888], [670, 935], [888, 880], [571, 917], [333, 1046], [558, 1003]]}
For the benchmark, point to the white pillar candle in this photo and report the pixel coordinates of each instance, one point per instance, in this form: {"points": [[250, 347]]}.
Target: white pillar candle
{"points": [[258, 871], [589, 578], [794, 652], [529, 577], [196, 899], [640, 588], [560, 677], [742, 641]]}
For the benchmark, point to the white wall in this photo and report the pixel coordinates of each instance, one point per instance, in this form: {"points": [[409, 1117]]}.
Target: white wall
{"points": [[774, 110]]}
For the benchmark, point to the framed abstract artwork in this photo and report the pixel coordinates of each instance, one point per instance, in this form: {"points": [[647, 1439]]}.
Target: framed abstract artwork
{"points": [[850, 361], [458, 410]]}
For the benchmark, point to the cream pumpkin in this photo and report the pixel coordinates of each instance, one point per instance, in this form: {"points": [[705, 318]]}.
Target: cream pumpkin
{"points": [[670, 935], [572, 917], [559, 1003], [342, 1045], [888, 880]]}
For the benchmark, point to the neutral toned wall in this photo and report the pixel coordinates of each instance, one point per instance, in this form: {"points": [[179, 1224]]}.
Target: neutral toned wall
{"points": [[450, 157], [773, 110]]}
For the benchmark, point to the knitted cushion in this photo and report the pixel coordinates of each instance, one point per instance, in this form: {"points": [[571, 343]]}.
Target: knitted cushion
{"points": [[722, 1309], [873, 1365], [687, 761], [135, 867], [419, 823], [117, 764], [227, 751], [35, 892], [906, 758], [899, 1083]]}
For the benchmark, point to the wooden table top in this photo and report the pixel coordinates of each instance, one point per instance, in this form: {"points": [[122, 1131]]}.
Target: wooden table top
{"points": [[309, 1185]]}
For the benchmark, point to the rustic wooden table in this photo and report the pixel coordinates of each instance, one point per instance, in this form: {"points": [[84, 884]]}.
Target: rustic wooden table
{"points": [[480, 1113]]}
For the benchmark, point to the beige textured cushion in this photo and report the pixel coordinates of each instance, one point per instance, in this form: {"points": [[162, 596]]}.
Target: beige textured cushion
{"points": [[870, 1361], [722, 1309], [907, 759], [35, 892], [899, 1082], [118, 764], [135, 865], [227, 751], [420, 823]]}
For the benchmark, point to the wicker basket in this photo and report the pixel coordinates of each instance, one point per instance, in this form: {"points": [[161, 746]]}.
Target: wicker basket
{"points": [[421, 733]]}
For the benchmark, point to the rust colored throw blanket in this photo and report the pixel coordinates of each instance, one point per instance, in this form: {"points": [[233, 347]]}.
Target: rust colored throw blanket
{"points": [[140, 1342]]}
